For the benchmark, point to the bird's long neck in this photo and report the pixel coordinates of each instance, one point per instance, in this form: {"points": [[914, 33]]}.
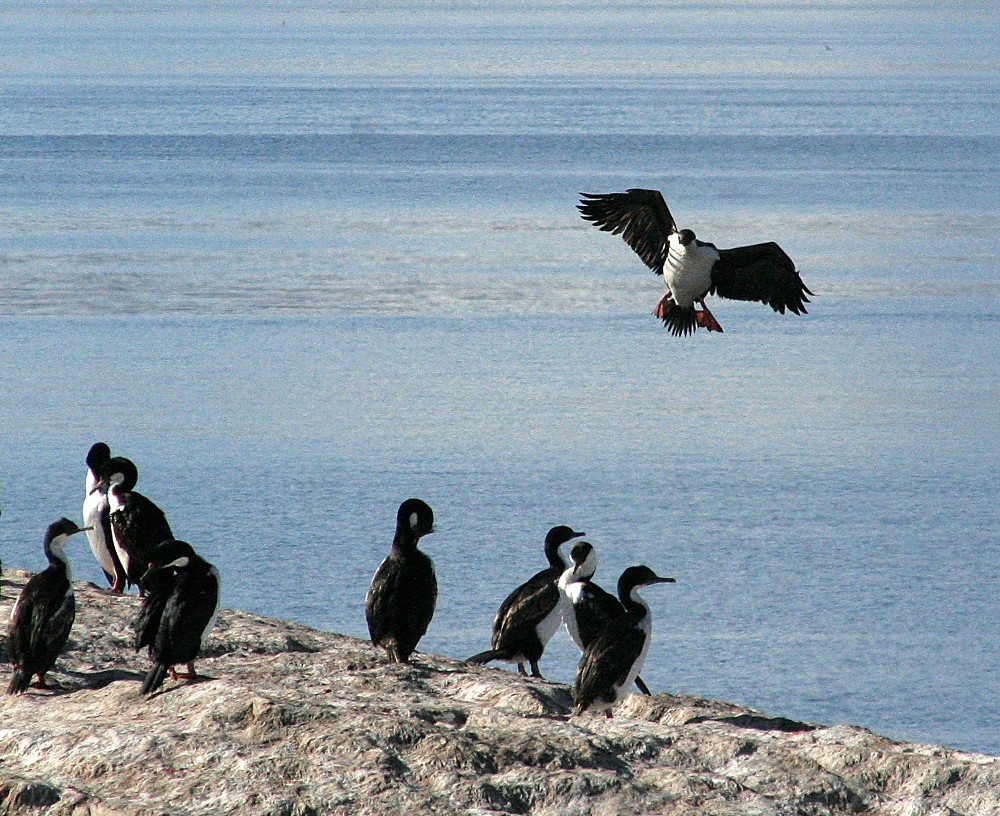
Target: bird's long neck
{"points": [[633, 603], [554, 557], [58, 560], [405, 541]]}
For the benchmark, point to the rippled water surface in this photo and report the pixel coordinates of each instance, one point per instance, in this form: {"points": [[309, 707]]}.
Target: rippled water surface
{"points": [[302, 263]]}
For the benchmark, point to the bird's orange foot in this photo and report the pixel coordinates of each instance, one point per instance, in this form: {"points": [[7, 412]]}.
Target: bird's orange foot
{"points": [[663, 305], [188, 675], [707, 320]]}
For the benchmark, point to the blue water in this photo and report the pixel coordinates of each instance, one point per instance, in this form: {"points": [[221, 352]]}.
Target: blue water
{"points": [[302, 263]]}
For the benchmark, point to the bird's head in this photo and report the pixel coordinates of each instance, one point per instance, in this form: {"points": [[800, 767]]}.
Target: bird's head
{"points": [[583, 560], [170, 554], [685, 237], [117, 471], [416, 516], [56, 535]]}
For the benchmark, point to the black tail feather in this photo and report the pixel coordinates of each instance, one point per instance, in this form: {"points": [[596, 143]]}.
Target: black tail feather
{"points": [[154, 679], [19, 681], [680, 320], [484, 657]]}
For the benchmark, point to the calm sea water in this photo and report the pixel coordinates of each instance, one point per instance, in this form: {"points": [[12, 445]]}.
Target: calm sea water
{"points": [[301, 263]]}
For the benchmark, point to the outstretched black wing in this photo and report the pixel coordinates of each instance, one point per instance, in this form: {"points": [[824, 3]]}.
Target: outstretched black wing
{"points": [[761, 272], [641, 218]]}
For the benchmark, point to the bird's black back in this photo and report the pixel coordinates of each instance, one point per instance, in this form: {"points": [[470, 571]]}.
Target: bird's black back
{"points": [[158, 587], [401, 601], [521, 611], [140, 526], [607, 660], [186, 614], [594, 610], [40, 625]]}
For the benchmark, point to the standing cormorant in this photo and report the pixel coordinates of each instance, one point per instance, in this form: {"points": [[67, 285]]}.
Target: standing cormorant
{"points": [[187, 615], [591, 608], [403, 591], [691, 268], [612, 662], [137, 525], [530, 615], [44, 612], [97, 515]]}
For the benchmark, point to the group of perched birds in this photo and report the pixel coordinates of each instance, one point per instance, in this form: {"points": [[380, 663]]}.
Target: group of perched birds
{"points": [[613, 633], [180, 593], [133, 544]]}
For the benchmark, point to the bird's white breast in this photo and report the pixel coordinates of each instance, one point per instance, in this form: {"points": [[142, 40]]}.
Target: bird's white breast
{"points": [[93, 505], [688, 270], [622, 691], [115, 504], [114, 500], [573, 591], [218, 602], [546, 627]]}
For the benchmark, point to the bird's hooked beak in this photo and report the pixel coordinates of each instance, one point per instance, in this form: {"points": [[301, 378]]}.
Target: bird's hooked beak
{"points": [[101, 486], [84, 529], [660, 580]]}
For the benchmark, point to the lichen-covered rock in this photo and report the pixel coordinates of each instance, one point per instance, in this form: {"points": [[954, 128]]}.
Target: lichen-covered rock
{"points": [[290, 721]]}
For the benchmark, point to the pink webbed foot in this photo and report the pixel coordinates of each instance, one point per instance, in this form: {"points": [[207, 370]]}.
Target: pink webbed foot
{"points": [[663, 305], [188, 675], [706, 319]]}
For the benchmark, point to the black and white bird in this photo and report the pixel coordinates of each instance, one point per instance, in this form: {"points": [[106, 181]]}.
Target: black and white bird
{"points": [[403, 591], [177, 634], [44, 612], [612, 662], [693, 269], [97, 516], [531, 614], [137, 525], [591, 607]]}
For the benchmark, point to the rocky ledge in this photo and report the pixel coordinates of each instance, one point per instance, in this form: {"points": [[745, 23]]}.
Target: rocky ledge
{"points": [[290, 720]]}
